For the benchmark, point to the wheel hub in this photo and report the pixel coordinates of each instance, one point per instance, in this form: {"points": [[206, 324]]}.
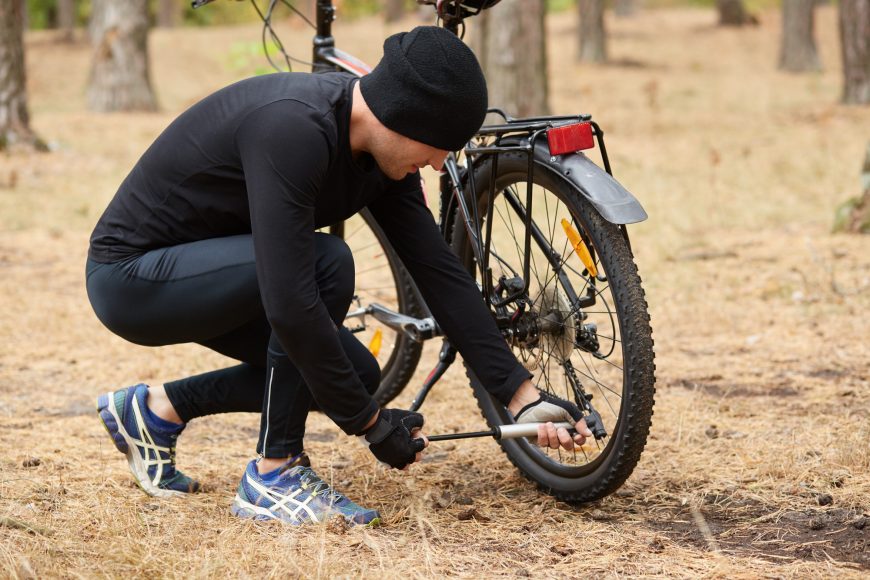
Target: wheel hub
{"points": [[557, 323]]}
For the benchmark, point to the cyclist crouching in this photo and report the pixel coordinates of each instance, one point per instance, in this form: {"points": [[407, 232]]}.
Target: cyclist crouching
{"points": [[211, 240]]}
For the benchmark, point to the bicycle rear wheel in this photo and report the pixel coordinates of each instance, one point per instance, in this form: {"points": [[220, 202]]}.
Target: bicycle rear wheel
{"points": [[575, 326], [381, 279]]}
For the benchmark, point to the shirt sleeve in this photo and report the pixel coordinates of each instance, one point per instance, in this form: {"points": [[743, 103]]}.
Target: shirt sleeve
{"points": [[449, 291], [285, 164]]}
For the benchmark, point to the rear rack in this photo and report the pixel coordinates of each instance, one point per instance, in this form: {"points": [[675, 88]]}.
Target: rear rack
{"points": [[527, 130], [514, 135]]}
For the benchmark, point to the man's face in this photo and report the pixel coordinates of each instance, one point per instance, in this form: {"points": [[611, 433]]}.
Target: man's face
{"points": [[397, 155]]}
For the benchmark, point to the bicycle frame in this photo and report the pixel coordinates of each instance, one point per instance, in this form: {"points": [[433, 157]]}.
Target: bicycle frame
{"points": [[326, 57], [556, 318], [525, 135], [514, 135]]}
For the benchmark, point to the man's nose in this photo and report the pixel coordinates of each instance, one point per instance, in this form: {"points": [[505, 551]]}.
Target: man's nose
{"points": [[437, 161]]}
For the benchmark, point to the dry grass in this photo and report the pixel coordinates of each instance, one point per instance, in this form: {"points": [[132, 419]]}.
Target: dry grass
{"points": [[760, 319]]}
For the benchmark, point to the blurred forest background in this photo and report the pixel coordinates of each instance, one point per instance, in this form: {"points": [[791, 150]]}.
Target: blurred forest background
{"points": [[509, 41], [742, 126]]}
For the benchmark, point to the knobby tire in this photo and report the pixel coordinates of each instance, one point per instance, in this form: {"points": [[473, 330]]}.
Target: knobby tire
{"points": [[627, 437]]}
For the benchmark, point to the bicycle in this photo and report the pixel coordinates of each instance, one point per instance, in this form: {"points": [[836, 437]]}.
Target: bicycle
{"points": [[542, 229]]}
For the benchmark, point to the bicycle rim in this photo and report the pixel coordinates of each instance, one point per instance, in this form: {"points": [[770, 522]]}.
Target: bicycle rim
{"points": [[606, 345]]}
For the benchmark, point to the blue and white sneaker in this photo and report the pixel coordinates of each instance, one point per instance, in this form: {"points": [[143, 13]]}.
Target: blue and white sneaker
{"points": [[147, 440], [294, 494]]}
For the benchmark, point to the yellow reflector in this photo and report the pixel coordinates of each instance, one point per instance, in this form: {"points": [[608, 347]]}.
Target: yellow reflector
{"points": [[375, 344], [579, 247]]}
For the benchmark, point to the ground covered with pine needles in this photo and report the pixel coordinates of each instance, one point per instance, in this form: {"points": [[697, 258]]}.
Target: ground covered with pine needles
{"points": [[758, 462]]}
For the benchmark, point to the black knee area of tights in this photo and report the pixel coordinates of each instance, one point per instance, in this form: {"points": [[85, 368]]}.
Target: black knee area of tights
{"points": [[335, 275]]}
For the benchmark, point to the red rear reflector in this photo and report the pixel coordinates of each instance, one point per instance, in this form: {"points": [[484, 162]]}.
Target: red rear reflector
{"points": [[570, 138]]}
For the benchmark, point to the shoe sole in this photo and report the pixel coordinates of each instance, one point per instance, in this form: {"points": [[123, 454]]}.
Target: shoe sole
{"points": [[246, 510], [127, 445]]}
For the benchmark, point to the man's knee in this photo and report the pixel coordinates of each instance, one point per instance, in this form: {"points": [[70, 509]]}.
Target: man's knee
{"points": [[335, 274], [333, 254]]}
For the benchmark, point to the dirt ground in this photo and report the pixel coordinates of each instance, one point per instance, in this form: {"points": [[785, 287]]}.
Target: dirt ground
{"points": [[758, 463]]}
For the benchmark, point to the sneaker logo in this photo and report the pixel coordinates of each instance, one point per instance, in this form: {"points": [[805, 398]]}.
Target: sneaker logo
{"points": [[147, 446], [281, 501]]}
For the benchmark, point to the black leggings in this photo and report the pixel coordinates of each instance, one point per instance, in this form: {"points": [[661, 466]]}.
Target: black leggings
{"points": [[206, 292]]}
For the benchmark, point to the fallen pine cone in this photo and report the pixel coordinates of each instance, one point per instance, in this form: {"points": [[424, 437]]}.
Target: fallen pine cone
{"points": [[472, 513], [337, 525]]}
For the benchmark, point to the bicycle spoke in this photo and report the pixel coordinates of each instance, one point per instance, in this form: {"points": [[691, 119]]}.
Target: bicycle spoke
{"points": [[513, 235], [372, 268], [550, 326], [521, 251], [555, 273], [374, 244], [600, 385], [550, 221], [606, 337], [504, 263], [371, 290], [355, 232], [602, 388], [551, 282]]}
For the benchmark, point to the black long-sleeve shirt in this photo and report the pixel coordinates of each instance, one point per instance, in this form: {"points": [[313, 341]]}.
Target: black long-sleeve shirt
{"points": [[271, 156]]}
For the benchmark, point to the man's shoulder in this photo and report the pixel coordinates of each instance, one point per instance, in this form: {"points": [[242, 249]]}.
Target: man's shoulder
{"points": [[306, 102], [321, 92]]}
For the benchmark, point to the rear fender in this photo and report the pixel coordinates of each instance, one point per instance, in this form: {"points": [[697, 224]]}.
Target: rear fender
{"points": [[615, 203]]}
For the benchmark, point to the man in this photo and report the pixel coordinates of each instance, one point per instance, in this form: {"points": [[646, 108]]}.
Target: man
{"points": [[211, 239]]}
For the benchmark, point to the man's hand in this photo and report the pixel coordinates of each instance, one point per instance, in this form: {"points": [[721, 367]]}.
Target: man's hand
{"points": [[532, 406], [396, 438]]}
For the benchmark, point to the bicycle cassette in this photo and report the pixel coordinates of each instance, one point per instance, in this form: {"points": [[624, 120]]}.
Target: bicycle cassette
{"points": [[557, 322]]}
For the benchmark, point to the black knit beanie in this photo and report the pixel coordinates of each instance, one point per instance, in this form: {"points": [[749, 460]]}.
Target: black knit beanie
{"points": [[428, 87]]}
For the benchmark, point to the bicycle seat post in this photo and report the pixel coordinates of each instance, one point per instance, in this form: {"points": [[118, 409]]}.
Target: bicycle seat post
{"points": [[323, 40]]}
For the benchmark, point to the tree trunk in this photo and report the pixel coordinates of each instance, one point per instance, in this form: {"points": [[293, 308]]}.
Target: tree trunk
{"points": [[66, 19], [854, 215], [732, 13], [25, 14], [624, 8], [394, 10], [509, 42], [855, 40], [593, 38], [798, 48], [14, 117], [119, 79], [168, 12]]}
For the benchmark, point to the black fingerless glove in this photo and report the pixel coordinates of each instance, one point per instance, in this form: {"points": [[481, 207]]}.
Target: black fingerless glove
{"points": [[389, 439], [549, 408], [552, 408]]}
